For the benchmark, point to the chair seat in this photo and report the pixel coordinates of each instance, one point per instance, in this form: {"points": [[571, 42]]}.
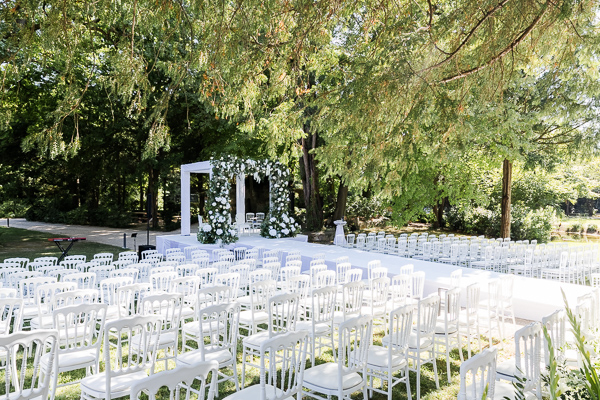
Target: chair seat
{"points": [[164, 340], [193, 328], [72, 360], [256, 340], [260, 317], [325, 376], [505, 390], [423, 342], [194, 357], [507, 370], [254, 392], [320, 328], [378, 357], [119, 385], [43, 322], [440, 328]]}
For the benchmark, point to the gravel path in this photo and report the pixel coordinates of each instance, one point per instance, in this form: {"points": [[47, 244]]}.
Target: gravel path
{"points": [[111, 236]]}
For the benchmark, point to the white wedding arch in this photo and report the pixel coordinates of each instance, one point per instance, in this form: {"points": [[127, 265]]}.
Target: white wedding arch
{"points": [[278, 222]]}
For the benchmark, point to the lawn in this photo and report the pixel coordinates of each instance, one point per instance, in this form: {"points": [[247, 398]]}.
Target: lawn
{"points": [[15, 242]]}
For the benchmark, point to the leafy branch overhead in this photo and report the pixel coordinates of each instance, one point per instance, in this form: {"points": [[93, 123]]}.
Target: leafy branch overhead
{"points": [[372, 69]]}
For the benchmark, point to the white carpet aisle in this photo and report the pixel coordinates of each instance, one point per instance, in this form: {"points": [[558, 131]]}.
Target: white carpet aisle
{"points": [[533, 298]]}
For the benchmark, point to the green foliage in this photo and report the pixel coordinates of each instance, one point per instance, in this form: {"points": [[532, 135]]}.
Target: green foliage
{"points": [[592, 228], [13, 208], [365, 206], [576, 227], [525, 223]]}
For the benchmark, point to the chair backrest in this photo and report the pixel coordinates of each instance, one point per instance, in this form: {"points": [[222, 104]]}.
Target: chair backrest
{"points": [[144, 329], [399, 328], [161, 282], [80, 327], [74, 297], [27, 348], [104, 258], [353, 275], [258, 275], [244, 271], [53, 260], [352, 298], [341, 269], [314, 270], [207, 276], [109, 286], [84, 280], [353, 346], [17, 261], [102, 272], [9, 308], [282, 363], [286, 273], [427, 313], [283, 309], [452, 308], [407, 269], [400, 290], [379, 272], [212, 295], [129, 296], [555, 324], [219, 328], [478, 374], [166, 305], [325, 278], [528, 343], [182, 377], [16, 277], [323, 304], [44, 295], [418, 284], [28, 287], [232, 280], [131, 272], [274, 267], [299, 284]]}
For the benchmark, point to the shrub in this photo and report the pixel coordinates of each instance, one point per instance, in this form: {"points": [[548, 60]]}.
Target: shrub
{"points": [[576, 227], [525, 222], [13, 209], [592, 228]]}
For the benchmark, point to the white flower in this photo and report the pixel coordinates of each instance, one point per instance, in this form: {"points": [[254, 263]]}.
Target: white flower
{"points": [[206, 228], [232, 232], [292, 220], [219, 232], [221, 219], [210, 212], [282, 224], [273, 219], [293, 228], [214, 204], [272, 232], [285, 218], [285, 231]]}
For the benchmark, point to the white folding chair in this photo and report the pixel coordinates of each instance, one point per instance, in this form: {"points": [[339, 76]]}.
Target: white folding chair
{"points": [[478, 376]]}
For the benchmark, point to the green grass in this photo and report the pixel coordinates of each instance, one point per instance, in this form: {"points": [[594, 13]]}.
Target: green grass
{"points": [[15, 242]]}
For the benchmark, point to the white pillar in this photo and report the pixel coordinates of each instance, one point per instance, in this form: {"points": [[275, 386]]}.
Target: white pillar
{"points": [[185, 203], [240, 197]]}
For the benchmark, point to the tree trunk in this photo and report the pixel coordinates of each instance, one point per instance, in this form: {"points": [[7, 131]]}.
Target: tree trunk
{"points": [[340, 204], [438, 210], [506, 198], [153, 191], [310, 184]]}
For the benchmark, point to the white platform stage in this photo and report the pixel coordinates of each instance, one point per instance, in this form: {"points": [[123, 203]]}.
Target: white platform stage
{"points": [[533, 298]]}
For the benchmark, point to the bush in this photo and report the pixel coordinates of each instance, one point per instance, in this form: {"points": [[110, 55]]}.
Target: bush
{"points": [[13, 209], [592, 228], [525, 222], [576, 228], [366, 207], [474, 221]]}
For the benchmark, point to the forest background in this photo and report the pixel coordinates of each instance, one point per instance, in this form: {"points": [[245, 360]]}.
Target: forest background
{"points": [[459, 113]]}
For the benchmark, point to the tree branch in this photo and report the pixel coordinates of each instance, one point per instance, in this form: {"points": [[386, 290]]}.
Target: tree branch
{"points": [[509, 48]]}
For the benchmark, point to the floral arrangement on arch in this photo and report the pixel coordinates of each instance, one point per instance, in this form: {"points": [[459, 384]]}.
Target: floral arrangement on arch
{"points": [[278, 222]]}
